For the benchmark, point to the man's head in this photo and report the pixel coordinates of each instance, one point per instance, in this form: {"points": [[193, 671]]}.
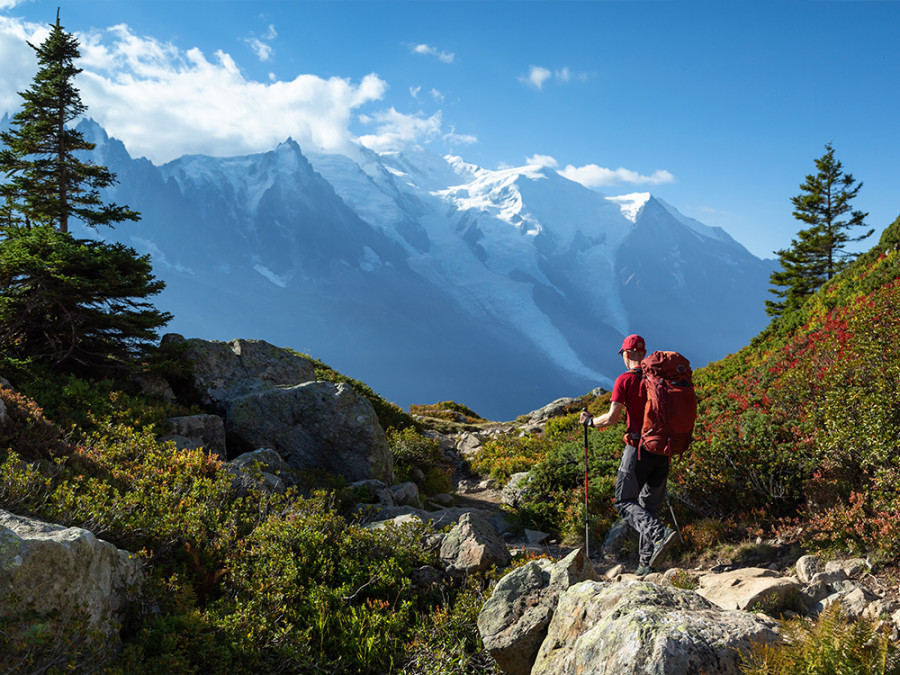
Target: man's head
{"points": [[633, 343], [633, 348]]}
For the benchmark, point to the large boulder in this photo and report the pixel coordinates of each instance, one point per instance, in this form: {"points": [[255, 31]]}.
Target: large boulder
{"points": [[221, 368], [514, 620], [473, 545], [314, 425], [65, 570], [642, 628]]}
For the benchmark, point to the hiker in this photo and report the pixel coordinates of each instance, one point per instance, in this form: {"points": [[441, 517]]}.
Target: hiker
{"points": [[641, 480]]}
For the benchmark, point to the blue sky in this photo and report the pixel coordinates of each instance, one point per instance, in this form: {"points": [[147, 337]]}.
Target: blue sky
{"points": [[720, 108]]}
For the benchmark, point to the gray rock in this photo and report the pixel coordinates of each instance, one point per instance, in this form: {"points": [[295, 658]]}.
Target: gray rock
{"points": [[853, 568], [261, 468], [373, 491], [807, 567], [406, 494], [221, 368], [443, 500], [515, 489], [468, 445], [155, 385], [642, 628], [829, 578], [64, 569], [535, 537], [620, 541], [369, 513], [853, 602], [199, 431], [555, 409], [747, 587], [314, 425], [473, 545], [264, 459], [399, 521], [4, 416], [514, 620]]}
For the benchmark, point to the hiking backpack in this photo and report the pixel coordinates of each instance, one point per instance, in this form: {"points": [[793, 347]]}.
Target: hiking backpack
{"points": [[671, 406]]}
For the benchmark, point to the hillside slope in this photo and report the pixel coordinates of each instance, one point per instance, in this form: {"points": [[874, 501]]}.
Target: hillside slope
{"points": [[805, 421]]}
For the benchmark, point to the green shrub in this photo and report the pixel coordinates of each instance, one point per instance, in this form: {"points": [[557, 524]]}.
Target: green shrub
{"points": [[411, 451], [447, 410], [826, 645], [504, 455], [33, 642], [448, 641]]}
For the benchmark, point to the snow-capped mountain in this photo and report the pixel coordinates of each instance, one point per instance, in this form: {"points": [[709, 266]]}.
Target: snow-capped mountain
{"points": [[430, 278]]}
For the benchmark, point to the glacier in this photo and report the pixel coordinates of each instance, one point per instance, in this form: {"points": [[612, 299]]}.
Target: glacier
{"points": [[430, 278]]}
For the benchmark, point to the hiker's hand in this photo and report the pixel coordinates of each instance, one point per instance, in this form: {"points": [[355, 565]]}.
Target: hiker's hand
{"points": [[585, 418]]}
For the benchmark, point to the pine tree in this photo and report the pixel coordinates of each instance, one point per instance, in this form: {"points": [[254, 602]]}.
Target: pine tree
{"points": [[819, 251], [47, 181], [70, 303]]}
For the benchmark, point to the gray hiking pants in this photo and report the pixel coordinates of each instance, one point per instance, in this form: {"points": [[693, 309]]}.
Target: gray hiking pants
{"points": [[640, 493]]}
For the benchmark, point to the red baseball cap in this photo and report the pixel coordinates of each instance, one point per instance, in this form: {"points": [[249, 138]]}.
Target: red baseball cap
{"points": [[633, 342]]}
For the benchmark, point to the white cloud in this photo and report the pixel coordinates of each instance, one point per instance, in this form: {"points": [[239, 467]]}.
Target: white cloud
{"points": [[593, 176], [262, 50], [414, 92], [396, 130], [164, 102], [452, 138], [18, 60], [428, 50], [538, 75], [261, 46], [542, 160]]}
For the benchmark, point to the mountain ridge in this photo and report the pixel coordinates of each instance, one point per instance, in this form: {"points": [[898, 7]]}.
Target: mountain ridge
{"points": [[409, 270]]}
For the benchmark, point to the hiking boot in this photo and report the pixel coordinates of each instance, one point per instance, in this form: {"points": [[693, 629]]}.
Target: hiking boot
{"points": [[643, 570], [663, 546]]}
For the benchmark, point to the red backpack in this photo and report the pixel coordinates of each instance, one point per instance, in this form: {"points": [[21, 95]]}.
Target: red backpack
{"points": [[671, 404]]}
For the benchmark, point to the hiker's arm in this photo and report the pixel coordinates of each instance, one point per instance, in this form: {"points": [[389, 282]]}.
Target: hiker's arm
{"points": [[610, 418]]}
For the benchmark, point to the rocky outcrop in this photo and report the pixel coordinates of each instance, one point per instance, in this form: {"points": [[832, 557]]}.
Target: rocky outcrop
{"points": [[635, 625], [559, 407], [513, 622], [65, 570], [269, 398], [221, 368], [643, 628], [316, 425]]}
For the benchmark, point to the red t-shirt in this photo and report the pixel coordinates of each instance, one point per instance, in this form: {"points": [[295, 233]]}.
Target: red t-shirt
{"points": [[629, 391]]}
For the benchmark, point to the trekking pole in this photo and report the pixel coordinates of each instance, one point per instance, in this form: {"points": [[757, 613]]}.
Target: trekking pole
{"points": [[675, 522], [587, 531]]}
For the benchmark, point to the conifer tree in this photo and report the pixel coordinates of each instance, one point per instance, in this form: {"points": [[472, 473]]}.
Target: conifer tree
{"points": [[71, 303], [47, 180], [819, 251]]}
